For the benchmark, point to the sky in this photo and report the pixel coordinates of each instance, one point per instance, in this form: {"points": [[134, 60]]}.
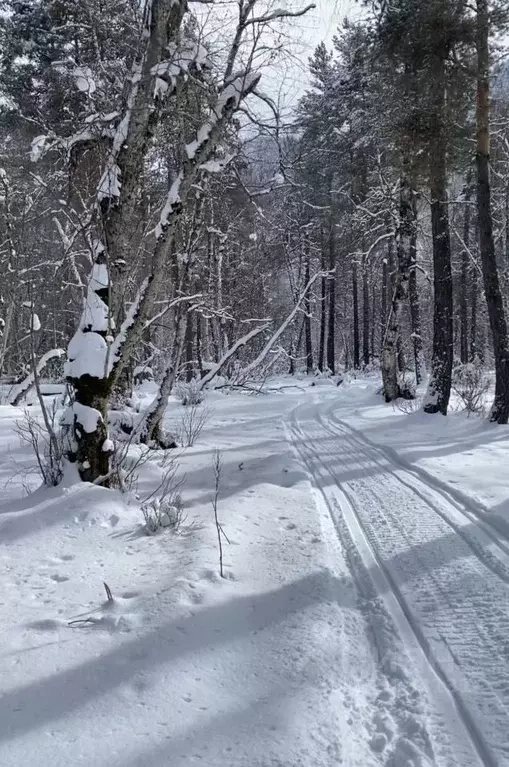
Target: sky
{"points": [[291, 78]]}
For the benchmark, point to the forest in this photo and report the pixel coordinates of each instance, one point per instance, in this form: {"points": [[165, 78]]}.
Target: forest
{"points": [[255, 353], [191, 228]]}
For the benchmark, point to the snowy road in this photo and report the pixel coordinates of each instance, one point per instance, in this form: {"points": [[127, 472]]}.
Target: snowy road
{"points": [[364, 621], [433, 580]]}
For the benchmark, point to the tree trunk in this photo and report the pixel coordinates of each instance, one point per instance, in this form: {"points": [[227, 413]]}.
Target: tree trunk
{"points": [[439, 386], [307, 313], [291, 354], [383, 308], [356, 340], [373, 322], [153, 433], [365, 314], [199, 353], [331, 329], [494, 302], [86, 370], [189, 345], [391, 352], [323, 309], [465, 271], [506, 253], [401, 355], [415, 308], [473, 314]]}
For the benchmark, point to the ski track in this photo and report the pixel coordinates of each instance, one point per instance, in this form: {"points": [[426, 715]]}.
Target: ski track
{"points": [[418, 478], [433, 581]]}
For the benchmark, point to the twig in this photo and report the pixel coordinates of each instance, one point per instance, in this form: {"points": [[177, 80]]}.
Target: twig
{"points": [[108, 592], [216, 463]]}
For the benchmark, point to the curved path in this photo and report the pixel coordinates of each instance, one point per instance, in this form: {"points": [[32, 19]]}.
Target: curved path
{"points": [[435, 577]]}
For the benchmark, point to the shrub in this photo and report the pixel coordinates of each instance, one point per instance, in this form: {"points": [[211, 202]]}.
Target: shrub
{"points": [[471, 384], [189, 393], [192, 422]]}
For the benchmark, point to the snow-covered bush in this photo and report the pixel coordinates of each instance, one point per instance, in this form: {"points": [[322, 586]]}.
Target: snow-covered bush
{"points": [[162, 514], [120, 425], [49, 445], [408, 406], [407, 387], [163, 508], [191, 424], [142, 373], [471, 384], [126, 463], [189, 393]]}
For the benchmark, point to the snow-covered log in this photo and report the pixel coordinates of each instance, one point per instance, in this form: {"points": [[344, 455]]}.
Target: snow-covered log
{"points": [[20, 391]]}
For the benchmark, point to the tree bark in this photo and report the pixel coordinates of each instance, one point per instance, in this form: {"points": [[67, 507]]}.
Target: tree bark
{"points": [[307, 311], [356, 339], [189, 346], [473, 348], [465, 272], [331, 329], [391, 352], [494, 301], [415, 308], [86, 372], [199, 354], [365, 314], [439, 386], [373, 322], [323, 308]]}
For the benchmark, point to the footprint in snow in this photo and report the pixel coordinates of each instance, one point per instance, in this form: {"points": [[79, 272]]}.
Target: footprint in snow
{"points": [[46, 625], [59, 578]]}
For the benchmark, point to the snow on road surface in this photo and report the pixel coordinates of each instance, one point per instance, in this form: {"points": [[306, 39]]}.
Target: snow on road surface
{"points": [[442, 573], [363, 622]]}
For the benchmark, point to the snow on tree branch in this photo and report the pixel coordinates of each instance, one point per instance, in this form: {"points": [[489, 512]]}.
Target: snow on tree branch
{"points": [[19, 391]]}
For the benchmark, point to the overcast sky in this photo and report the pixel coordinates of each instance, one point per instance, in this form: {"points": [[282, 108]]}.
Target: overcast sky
{"points": [[292, 79]]}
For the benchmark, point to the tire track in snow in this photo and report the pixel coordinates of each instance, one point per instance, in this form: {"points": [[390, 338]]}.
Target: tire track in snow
{"points": [[477, 535], [457, 604], [439, 735], [474, 511]]}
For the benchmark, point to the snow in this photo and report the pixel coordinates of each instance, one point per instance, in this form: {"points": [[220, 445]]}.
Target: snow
{"points": [[28, 382], [87, 417], [230, 96], [202, 136], [39, 144], [84, 78], [86, 354], [189, 53], [109, 184], [363, 620], [172, 198], [116, 346], [99, 279], [216, 165]]}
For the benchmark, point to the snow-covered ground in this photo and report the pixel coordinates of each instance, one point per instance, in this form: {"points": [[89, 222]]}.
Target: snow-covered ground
{"points": [[364, 619]]}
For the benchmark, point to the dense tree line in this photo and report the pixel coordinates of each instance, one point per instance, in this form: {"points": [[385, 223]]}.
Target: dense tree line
{"points": [[158, 212]]}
